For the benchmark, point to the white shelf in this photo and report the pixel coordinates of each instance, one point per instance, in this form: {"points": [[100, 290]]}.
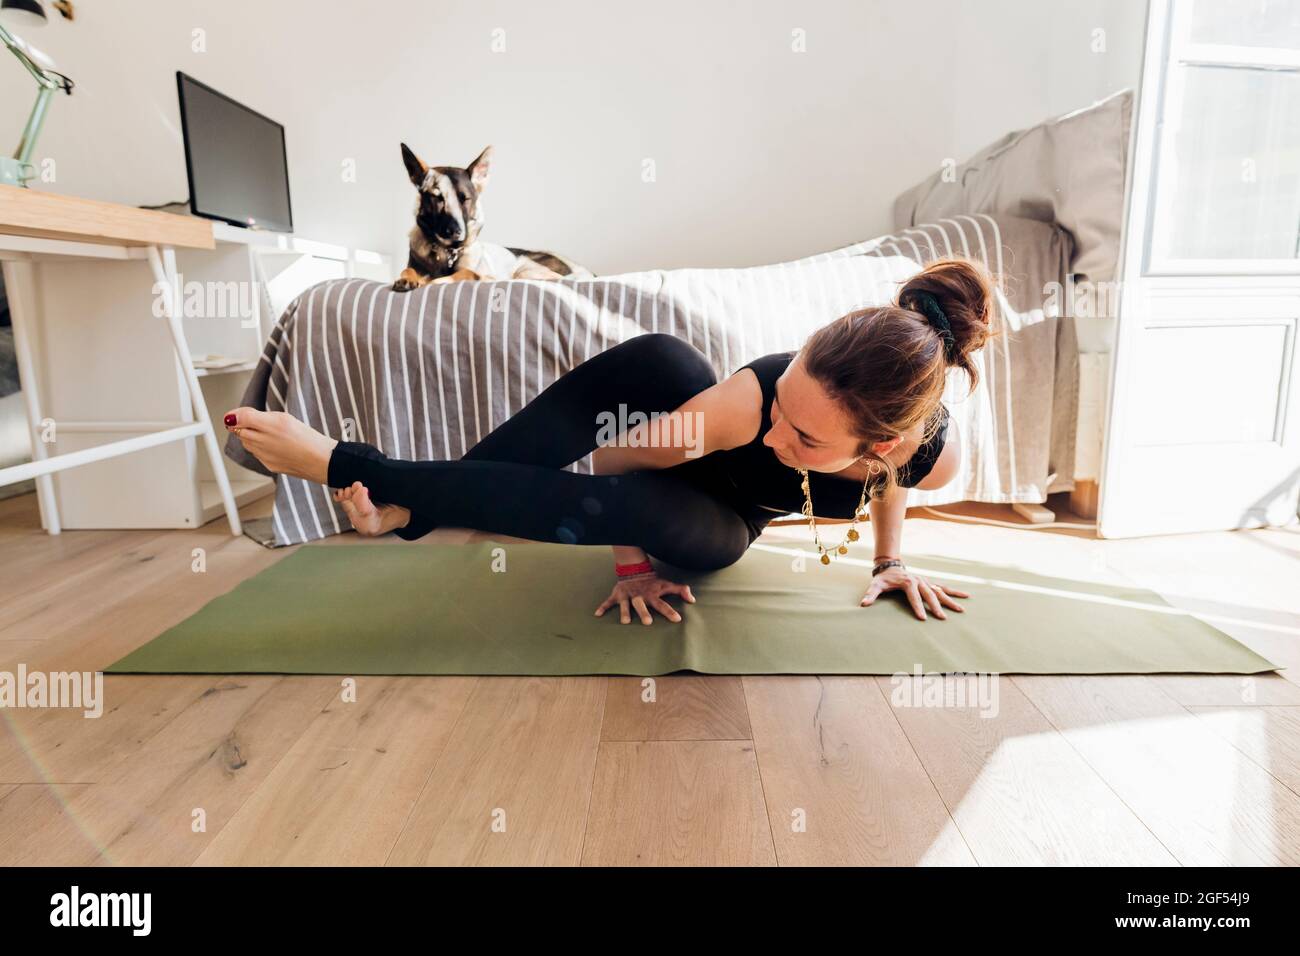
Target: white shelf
{"points": [[247, 490], [227, 369]]}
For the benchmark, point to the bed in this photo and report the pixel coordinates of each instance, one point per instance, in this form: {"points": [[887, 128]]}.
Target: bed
{"points": [[425, 374]]}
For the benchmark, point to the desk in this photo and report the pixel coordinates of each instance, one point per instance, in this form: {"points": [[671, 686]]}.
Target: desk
{"points": [[35, 226]]}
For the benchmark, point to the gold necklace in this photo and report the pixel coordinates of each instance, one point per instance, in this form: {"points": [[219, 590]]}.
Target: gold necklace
{"points": [[858, 512]]}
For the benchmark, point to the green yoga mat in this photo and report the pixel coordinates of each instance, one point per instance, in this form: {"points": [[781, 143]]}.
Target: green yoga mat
{"points": [[527, 608]]}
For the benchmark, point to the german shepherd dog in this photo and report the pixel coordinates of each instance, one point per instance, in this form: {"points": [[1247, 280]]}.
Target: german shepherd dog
{"points": [[445, 246]]}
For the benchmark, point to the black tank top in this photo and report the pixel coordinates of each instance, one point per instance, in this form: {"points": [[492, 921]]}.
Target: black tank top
{"points": [[769, 489]]}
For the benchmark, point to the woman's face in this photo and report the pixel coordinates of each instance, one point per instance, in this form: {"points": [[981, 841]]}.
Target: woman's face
{"points": [[809, 429]]}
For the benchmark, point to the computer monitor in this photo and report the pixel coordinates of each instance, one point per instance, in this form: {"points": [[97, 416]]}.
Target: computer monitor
{"points": [[234, 158]]}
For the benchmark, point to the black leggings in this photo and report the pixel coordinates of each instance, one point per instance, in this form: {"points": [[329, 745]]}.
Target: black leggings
{"points": [[512, 482]]}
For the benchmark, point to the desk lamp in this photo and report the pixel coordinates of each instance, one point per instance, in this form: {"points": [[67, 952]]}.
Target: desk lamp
{"points": [[16, 170]]}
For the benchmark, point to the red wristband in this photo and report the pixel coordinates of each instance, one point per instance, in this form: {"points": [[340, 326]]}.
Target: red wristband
{"points": [[627, 570]]}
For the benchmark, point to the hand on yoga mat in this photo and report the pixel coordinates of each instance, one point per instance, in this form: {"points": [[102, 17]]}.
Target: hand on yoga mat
{"points": [[916, 588], [643, 590]]}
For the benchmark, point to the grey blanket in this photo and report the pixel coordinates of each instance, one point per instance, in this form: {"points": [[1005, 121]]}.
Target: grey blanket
{"points": [[426, 374]]}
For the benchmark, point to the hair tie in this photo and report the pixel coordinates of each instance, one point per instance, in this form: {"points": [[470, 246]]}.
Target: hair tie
{"points": [[929, 307]]}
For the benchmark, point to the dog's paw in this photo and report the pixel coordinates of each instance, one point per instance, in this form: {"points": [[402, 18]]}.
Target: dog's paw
{"points": [[409, 279]]}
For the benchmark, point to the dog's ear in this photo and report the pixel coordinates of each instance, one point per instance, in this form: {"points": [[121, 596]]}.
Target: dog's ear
{"points": [[415, 167], [479, 169]]}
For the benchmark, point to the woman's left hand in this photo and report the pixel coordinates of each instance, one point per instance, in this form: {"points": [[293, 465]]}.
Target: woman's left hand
{"points": [[916, 588]]}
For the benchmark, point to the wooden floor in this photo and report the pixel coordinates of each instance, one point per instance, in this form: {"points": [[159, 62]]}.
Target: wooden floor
{"points": [[719, 770]]}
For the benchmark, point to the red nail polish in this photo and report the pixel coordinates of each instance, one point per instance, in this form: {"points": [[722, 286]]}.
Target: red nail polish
{"points": [[230, 420]]}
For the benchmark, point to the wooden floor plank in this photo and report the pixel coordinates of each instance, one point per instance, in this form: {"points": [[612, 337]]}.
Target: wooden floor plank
{"points": [[1206, 802], [125, 607], [28, 809], [97, 578], [1229, 690], [13, 653], [340, 795], [60, 745], [675, 707], [163, 805], [677, 803], [35, 560], [842, 783], [1270, 736], [1019, 793], [513, 783]]}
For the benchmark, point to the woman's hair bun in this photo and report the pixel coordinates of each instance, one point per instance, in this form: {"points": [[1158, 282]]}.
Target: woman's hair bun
{"points": [[964, 291]]}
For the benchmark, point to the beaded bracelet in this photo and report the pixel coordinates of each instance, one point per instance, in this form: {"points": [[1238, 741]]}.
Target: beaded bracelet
{"points": [[629, 570]]}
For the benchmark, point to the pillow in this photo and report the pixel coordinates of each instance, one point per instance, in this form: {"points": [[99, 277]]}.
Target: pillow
{"points": [[1069, 170]]}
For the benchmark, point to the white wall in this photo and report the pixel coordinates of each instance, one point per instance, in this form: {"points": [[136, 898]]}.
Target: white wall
{"points": [[761, 153]]}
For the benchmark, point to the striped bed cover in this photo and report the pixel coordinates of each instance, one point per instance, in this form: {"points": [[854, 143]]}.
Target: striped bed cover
{"points": [[426, 374]]}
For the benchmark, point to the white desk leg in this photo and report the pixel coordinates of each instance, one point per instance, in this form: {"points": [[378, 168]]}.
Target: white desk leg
{"points": [[18, 278], [164, 271]]}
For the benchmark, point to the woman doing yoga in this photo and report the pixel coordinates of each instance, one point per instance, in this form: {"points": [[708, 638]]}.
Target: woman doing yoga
{"points": [[839, 429]]}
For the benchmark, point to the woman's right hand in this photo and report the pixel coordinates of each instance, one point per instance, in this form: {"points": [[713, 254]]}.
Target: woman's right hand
{"points": [[641, 590]]}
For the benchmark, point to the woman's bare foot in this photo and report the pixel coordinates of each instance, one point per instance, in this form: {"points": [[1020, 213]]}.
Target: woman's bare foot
{"points": [[367, 517], [285, 445]]}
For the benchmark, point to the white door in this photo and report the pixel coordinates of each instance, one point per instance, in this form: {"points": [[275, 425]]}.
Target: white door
{"points": [[1203, 423]]}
